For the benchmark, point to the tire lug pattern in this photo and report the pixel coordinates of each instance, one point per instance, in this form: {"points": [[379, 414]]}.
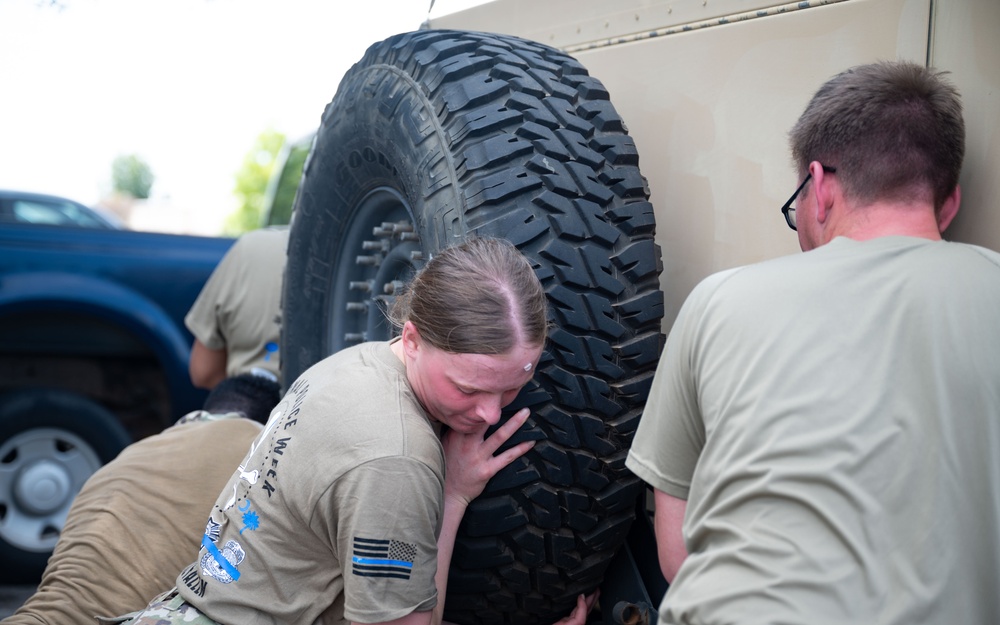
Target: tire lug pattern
{"points": [[433, 137]]}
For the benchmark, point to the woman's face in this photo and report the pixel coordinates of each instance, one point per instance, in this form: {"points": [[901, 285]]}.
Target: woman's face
{"points": [[465, 391]]}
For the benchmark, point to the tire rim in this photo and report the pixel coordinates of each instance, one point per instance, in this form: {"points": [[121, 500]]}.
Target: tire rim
{"points": [[368, 275], [41, 471]]}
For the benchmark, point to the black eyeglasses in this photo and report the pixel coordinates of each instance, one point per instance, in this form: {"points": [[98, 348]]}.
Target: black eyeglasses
{"points": [[788, 210]]}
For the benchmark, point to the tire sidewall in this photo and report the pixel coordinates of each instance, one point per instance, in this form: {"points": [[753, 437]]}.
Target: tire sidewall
{"points": [[364, 155]]}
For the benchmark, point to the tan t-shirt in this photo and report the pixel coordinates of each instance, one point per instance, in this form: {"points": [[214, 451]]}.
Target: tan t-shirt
{"points": [[137, 522], [239, 308], [831, 419], [334, 513]]}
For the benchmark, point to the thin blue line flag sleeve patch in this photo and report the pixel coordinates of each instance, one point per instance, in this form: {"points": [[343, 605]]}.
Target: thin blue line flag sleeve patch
{"points": [[382, 558]]}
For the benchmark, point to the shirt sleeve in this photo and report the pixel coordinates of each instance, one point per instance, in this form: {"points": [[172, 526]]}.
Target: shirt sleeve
{"points": [[388, 515], [671, 432], [204, 319]]}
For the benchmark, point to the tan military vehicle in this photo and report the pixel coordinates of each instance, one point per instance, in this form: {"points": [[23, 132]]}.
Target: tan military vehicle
{"points": [[530, 120], [710, 88]]}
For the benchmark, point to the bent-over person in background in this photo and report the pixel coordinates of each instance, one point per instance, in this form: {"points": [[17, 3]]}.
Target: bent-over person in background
{"points": [[139, 519]]}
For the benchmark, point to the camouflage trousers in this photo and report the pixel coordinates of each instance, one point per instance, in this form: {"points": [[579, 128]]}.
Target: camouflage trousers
{"points": [[167, 609]]}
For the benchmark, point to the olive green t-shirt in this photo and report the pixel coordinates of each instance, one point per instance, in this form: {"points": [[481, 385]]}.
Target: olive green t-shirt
{"points": [[833, 421], [334, 514], [239, 308]]}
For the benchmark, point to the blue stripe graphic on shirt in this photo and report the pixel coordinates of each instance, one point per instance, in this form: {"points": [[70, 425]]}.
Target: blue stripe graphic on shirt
{"points": [[382, 558], [209, 546]]}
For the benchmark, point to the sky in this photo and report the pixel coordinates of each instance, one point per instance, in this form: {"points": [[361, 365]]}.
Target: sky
{"points": [[187, 85]]}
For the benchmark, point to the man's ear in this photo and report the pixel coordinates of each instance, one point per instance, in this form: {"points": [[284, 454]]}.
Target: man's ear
{"points": [[822, 191], [949, 209]]}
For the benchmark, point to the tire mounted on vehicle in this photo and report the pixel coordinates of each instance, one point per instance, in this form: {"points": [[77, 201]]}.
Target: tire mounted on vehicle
{"points": [[437, 136]]}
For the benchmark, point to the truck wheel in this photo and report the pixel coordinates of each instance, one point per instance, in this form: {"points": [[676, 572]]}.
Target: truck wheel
{"points": [[436, 136], [52, 441]]}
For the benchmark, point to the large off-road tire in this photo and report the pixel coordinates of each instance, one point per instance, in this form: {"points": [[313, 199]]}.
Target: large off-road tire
{"points": [[51, 441], [436, 136]]}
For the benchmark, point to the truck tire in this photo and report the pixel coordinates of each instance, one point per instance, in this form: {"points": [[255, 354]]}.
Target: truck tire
{"points": [[51, 441], [436, 136]]}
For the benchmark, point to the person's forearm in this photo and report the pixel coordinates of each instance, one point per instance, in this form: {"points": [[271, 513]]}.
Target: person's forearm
{"points": [[668, 523], [454, 510], [207, 367]]}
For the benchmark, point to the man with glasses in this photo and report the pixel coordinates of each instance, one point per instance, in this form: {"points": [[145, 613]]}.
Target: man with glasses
{"points": [[823, 430]]}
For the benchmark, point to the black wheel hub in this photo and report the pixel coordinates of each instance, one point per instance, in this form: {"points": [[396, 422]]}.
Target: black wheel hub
{"points": [[369, 275]]}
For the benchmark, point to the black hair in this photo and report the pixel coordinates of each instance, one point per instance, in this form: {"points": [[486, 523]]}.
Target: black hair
{"points": [[252, 395]]}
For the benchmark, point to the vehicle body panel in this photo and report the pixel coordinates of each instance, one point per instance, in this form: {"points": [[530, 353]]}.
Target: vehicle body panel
{"points": [[710, 88], [77, 294]]}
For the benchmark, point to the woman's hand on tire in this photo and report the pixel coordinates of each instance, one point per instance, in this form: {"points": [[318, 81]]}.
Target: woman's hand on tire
{"points": [[583, 607], [469, 458]]}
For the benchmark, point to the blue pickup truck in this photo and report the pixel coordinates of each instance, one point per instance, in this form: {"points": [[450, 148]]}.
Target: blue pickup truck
{"points": [[93, 355]]}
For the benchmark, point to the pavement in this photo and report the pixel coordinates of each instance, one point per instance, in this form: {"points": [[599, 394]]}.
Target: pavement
{"points": [[11, 598]]}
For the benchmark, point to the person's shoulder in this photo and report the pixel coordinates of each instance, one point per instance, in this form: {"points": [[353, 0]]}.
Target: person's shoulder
{"points": [[261, 237], [701, 296], [986, 254], [270, 233], [341, 367], [348, 354], [743, 283], [197, 419], [262, 250], [721, 277], [232, 430], [710, 284]]}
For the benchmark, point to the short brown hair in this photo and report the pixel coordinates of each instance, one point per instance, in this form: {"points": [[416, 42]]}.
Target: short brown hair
{"points": [[893, 130], [477, 297]]}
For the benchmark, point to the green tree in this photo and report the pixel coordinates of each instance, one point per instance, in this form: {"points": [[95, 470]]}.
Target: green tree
{"points": [[130, 175], [251, 182]]}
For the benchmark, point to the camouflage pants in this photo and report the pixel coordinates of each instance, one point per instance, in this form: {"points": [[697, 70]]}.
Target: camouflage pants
{"points": [[167, 609]]}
